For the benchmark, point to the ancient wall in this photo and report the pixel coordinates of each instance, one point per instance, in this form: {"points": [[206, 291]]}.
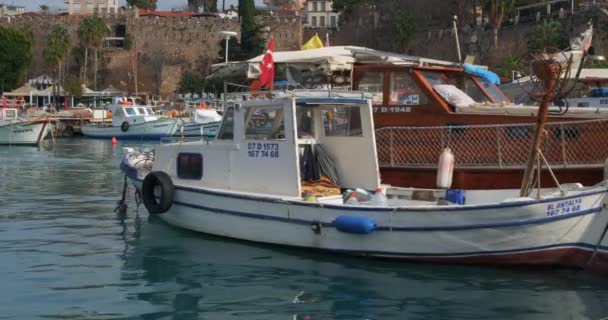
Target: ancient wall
{"points": [[171, 43]]}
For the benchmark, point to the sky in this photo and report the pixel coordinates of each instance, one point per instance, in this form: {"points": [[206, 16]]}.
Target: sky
{"points": [[32, 5]]}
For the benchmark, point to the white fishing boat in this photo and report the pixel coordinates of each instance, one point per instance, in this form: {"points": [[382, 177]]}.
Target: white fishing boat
{"points": [[250, 182], [133, 122], [16, 131], [204, 122]]}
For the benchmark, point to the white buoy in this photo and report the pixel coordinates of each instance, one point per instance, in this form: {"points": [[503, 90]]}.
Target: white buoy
{"points": [[445, 169]]}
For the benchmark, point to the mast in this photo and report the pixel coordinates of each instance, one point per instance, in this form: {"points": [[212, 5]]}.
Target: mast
{"points": [[547, 70]]}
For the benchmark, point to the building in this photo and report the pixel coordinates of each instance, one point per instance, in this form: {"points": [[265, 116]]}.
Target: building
{"points": [[320, 14], [90, 6], [11, 10]]}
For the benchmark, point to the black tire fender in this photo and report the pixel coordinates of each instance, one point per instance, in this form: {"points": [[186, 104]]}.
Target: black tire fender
{"points": [[167, 190], [124, 127]]}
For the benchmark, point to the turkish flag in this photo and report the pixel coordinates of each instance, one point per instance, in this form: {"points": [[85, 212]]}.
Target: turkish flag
{"points": [[65, 103], [267, 65]]}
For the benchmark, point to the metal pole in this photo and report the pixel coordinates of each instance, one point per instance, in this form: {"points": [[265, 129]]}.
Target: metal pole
{"points": [[457, 42], [227, 38]]}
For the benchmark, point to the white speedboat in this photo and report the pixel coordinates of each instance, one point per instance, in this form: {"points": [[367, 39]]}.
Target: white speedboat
{"points": [[133, 122], [249, 184], [204, 122], [16, 131]]}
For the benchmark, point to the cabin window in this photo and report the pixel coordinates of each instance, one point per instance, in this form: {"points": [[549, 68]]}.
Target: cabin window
{"points": [[342, 121], [372, 82], [566, 133], [518, 132], [493, 91], [227, 130], [119, 113], [190, 166], [434, 78], [469, 87], [404, 91], [304, 122], [150, 111], [264, 123], [141, 111], [130, 111]]}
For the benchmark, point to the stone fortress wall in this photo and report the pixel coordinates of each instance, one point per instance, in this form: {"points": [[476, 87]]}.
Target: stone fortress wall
{"points": [[188, 43]]}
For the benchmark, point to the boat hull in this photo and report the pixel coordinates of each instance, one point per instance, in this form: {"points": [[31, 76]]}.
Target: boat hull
{"points": [[24, 133], [208, 130], [148, 130], [521, 233]]}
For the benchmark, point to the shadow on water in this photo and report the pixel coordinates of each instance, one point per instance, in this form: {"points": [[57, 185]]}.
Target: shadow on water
{"points": [[192, 276]]}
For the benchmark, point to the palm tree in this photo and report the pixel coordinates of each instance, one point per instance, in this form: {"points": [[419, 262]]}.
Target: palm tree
{"points": [[497, 9], [91, 31], [57, 48]]}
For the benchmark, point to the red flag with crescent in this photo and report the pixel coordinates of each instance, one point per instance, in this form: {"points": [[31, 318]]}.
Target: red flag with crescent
{"points": [[267, 65]]}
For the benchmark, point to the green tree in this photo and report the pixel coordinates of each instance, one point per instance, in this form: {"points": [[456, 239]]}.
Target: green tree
{"points": [[44, 9], [547, 36], [510, 64], [17, 54], [404, 28], [72, 85], [57, 49], [252, 43], [91, 32], [235, 53], [497, 10], [191, 82], [208, 5], [143, 4]]}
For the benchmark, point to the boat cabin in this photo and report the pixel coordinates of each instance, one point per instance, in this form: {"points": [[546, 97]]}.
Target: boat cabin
{"points": [[8, 114], [132, 114], [274, 146]]}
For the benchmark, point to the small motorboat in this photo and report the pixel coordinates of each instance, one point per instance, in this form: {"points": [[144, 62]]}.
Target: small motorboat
{"points": [[15, 131], [204, 122], [130, 121], [299, 170]]}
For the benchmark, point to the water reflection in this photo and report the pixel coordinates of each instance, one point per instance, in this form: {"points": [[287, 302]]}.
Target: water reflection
{"points": [[67, 255], [196, 276]]}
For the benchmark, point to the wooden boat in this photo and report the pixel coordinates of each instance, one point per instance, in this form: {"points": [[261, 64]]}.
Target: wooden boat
{"points": [[20, 132], [248, 184]]}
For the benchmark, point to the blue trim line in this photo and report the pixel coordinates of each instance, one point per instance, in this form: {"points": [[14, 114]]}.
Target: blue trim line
{"points": [[576, 245], [400, 229], [331, 100]]}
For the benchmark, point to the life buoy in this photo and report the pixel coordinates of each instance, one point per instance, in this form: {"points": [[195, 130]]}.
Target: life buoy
{"points": [[124, 127], [167, 189]]}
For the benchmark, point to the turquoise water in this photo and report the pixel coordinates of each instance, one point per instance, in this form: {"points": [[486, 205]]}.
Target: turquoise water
{"points": [[64, 254]]}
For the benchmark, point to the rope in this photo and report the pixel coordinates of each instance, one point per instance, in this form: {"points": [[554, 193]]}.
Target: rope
{"points": [[121, 205]]}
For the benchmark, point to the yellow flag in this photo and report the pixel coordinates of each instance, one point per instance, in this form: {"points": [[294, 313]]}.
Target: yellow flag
{"points": [[314, 43]]}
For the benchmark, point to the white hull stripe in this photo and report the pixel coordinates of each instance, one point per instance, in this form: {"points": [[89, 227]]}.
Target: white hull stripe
{"points": [[507, 224]]}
